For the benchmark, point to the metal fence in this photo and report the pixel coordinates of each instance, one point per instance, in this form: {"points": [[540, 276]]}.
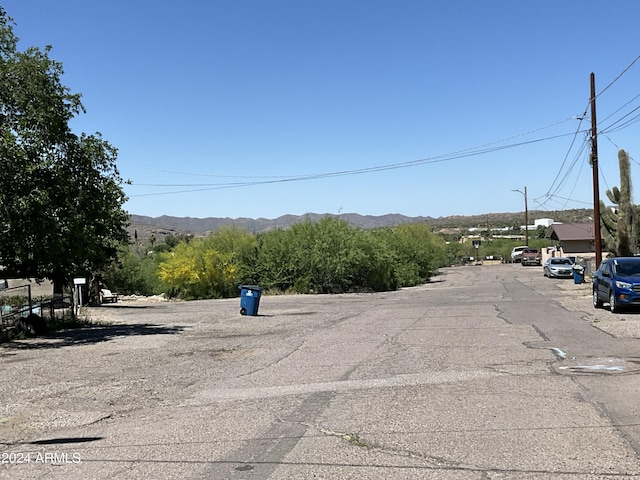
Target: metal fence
{"points": [[17, 305]]}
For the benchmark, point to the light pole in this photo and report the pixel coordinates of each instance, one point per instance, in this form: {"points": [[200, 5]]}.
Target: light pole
{"points": [[526, 215]]}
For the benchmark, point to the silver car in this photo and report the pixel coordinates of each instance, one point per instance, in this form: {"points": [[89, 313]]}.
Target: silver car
{"points": [[561, 267]]}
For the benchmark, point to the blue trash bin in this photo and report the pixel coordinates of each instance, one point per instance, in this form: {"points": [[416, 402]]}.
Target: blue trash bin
{"points": [[249, 299], [578, 274]]}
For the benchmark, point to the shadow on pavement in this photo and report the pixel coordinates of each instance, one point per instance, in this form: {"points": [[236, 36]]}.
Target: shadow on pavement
{"points": [[56, 441], [91, 334], [65, 440], [125, 306]]}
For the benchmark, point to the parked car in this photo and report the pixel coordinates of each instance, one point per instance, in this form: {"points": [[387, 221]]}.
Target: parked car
{"points": [[516, 253], [560, 267], [531, 256], [617, 282]]}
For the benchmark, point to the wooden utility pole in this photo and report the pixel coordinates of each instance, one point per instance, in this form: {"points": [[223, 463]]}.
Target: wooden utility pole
{"points": [[594, 165]]}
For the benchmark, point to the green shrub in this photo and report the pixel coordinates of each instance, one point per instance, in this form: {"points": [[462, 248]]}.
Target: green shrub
{"points": [[328, 256]]}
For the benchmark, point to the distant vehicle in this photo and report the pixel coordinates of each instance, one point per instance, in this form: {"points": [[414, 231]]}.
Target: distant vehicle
{"points": [[531, 256], [617, 281], [516, 253], [558, 267]]}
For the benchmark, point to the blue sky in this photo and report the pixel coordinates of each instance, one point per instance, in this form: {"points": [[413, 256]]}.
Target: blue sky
{"points": [[255, 108]]}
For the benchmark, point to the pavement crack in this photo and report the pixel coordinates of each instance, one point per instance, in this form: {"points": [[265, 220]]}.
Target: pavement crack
{"points": [[274, 363], [358, 440], [101, 419], [541, 333]]}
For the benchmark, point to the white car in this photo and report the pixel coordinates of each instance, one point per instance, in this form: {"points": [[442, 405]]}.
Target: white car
{"points": [[516, 253]]}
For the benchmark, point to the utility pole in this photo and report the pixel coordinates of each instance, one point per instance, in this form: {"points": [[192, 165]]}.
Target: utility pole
{"points": [[594, 167], [526, 215], [526, 218]]}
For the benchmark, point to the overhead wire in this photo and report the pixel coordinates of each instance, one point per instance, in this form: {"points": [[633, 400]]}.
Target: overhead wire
{"points": [[620, 108], [473, 151], [431, 160], [577, 177], [561, 202], [618, 77], [383, 167], [635, 119], [566, 176], [555, 187], [566, 156], [559, 181], [631, 158]]}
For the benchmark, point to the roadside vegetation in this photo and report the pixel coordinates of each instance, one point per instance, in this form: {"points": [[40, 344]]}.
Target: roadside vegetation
{"points": [[327, 256]]}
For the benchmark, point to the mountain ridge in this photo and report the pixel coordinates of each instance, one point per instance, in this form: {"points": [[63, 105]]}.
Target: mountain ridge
{"points": [[143, 226], [198, 226]]}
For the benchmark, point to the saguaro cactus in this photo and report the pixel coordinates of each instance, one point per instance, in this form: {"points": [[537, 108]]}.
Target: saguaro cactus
{"points": [[619, 222]]}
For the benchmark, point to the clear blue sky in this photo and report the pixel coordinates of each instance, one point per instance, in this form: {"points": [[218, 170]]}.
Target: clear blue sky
{"points": [[200, 96]]}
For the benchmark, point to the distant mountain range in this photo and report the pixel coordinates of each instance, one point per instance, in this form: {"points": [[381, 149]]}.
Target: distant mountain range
{"points": [[199, 226], [144, 226]]}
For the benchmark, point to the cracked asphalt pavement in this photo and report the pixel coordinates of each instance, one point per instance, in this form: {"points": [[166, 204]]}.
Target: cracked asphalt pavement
{"points": [[487, 372]]}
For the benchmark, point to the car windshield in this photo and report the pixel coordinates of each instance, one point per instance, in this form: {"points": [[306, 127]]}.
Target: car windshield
{"points": [[561, 261], [627, 269]]}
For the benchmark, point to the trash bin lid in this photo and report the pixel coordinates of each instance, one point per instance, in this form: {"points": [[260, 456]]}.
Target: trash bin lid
{"points": [[250, 287]]}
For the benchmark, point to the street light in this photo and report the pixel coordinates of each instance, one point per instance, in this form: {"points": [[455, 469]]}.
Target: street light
{"points": [[526, 215]]}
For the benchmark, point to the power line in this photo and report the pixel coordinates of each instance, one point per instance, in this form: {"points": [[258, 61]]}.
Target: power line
{"points": [[174, 172], [577, 177], [610, 129], [380, 167], [552, 194], [564, 160], [437, 159], [619, 76], [616, 111], [558, 182], [474, 151]]}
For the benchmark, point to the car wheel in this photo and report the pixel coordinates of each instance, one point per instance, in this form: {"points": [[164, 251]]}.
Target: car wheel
{"points": [[613, 304], [597, 303]]}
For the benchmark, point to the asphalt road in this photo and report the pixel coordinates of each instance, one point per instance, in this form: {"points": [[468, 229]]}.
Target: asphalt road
{"points": [[488, 372]]}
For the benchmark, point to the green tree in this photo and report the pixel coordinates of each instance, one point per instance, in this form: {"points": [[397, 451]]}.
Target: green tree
{"points": [[173, 240], [329, 256], [133, 273], [60, 194], [541, 231], [275, 268], [417, 252]]}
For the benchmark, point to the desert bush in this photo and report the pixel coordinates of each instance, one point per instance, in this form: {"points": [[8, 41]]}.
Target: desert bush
{"points": [[416, 251], [133, 273], [210, 267], [193, 270], [329, 256]]}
